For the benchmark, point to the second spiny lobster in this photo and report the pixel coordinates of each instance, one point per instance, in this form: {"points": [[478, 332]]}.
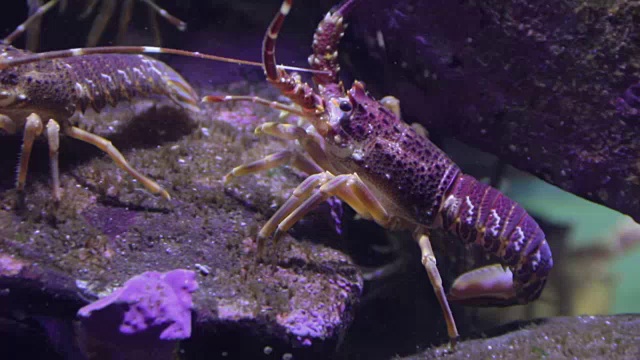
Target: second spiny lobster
{"points": [[59, 86], [38, 96], [360, 151]]}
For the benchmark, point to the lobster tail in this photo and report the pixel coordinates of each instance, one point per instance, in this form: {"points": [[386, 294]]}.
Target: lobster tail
{"points": [[480, 214]]}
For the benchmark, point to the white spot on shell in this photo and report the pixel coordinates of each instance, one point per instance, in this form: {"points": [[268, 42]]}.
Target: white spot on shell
{"points": [[357, 154], [535, 261], [495, 228], [79, 90], [519, 240], [470, 211], [107, 77], [125, 76]]}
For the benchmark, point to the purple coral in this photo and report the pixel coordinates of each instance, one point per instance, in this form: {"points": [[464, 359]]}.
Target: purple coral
{"points": [[151, 306]]}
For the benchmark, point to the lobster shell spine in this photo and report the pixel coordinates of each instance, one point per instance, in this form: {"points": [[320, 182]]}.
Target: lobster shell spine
{"points": [[478, 213]]}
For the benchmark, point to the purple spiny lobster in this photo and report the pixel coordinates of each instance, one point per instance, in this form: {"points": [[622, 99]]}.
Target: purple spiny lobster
{"points": [[362, 152]]}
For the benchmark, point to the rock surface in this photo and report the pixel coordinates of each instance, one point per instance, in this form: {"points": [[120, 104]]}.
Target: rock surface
{"points": [[549, 87], [582, 337], [107, 229]]}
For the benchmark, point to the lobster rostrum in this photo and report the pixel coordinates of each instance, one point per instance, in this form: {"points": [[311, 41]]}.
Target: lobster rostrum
{"points": [[362, 152]]}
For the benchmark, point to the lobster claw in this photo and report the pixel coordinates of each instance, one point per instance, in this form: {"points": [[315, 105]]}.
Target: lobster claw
{"points": [[487, 286]]}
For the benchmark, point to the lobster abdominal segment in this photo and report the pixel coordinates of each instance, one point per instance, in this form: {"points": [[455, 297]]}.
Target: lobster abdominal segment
{"points": [[102, 80], [480, 214]]}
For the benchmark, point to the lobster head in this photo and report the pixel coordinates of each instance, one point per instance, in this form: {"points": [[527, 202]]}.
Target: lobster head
{"points": [[357, 120]]}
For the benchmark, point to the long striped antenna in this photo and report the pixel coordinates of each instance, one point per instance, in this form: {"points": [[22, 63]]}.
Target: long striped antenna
{"points": [[9, 61]]}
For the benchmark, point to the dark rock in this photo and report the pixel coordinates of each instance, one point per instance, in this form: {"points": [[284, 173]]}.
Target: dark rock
{"points": [[549, 87], [582, 337]]}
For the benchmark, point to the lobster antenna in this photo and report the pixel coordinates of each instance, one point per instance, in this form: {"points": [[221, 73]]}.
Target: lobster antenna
{"points": [[9, 61]]}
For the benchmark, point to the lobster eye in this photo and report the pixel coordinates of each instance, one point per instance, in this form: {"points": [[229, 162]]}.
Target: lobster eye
{"points": [[345, 106]]}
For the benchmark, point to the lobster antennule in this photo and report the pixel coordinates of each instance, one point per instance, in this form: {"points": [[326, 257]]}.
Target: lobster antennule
{"points": [[325, 44]]}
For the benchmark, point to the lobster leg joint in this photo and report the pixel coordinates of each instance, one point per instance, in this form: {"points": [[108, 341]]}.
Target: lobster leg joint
{"points": [[429, 262], [310, 143], [347, 187]]}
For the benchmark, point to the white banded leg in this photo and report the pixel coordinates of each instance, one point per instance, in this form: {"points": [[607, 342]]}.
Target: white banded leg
{"points": [[429, 262], [32, 128], [106, 146], [316, 189]]}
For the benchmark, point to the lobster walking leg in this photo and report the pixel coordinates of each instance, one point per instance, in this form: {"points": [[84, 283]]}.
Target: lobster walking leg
{"points": [[299, 195], [7, 124], [53, 137], [347, 187], [310, 143], [107, 8], [125, 18], [280, 158], [34, 21], [32, 129], [314, 190], [179, 24], [286, 132], [100, 23], [106, 146], [429, 263], [272, 104], [155, 27]]}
